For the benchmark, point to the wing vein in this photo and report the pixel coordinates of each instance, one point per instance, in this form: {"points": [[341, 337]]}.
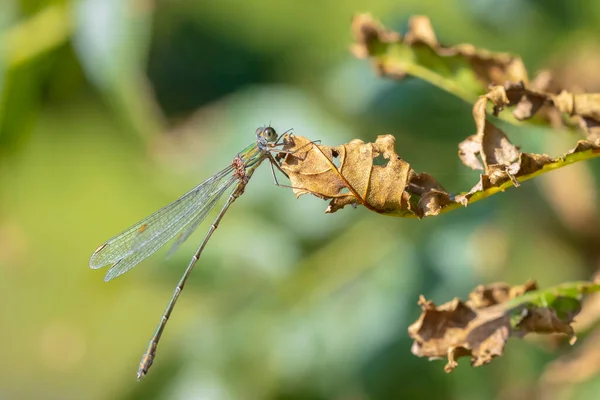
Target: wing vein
{"points": [[170, 219]]}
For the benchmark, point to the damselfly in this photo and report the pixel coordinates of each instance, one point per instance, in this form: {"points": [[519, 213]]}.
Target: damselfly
{"points": [[179, 219]]}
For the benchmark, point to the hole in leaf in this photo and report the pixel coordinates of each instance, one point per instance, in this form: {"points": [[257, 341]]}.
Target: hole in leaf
{"points": [[335, 158], [381, 160]]}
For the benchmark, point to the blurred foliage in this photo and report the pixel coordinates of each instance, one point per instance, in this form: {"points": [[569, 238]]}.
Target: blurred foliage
{"points": [[111, 109]]}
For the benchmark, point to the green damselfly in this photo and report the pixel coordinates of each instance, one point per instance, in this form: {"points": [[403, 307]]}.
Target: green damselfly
{"points": [[179, 220]]}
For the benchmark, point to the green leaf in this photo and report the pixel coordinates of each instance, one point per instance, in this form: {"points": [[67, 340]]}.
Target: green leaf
{"points": [[564, 300]]}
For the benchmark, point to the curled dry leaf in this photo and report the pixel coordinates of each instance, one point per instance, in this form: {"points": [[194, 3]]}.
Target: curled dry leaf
{"points": [[495, 293], [493, 144], [480, 327], [489, 149], [469, 72], [461, 69], [501, 176], [359, 173], [314, 169], [373, 175], [583, 108], [351, 174]]}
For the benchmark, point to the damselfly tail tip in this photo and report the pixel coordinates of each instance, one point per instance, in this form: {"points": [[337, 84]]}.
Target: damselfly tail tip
{"points": [[140, 375], [145, 364], [147, 359], [144, 367]]}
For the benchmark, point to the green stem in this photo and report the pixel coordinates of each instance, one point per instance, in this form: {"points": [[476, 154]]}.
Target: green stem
{"points": [[560, 163]]}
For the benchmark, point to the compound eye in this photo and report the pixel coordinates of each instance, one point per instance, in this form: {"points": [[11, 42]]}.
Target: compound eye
{"points": [[270, 134], [259, 131]]}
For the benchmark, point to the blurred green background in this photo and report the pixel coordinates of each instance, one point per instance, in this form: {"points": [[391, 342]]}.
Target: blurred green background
{"points": [[110, 109]]}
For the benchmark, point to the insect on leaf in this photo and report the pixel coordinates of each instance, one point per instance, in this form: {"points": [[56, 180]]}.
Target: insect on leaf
{"points": [[370, 174]]}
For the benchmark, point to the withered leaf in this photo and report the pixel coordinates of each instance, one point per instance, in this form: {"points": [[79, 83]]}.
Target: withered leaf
{"points": [[432, 197], [495, 293], [350, 174], [528, 100], [480, 327], [502, 162], [492, 145], [481, 77], [347, 174], [469, 72], [463, 69]]}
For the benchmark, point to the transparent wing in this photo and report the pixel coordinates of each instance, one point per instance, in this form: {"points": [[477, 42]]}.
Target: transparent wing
{"points": [[142, 239], [188, 230], [131, 261], [193, 224]]}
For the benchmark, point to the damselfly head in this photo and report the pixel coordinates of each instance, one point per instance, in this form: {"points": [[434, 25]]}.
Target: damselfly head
{"points": [[267, 133]]}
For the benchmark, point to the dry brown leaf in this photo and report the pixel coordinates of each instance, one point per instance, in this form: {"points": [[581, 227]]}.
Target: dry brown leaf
{"points": [[369, 174], [432, 196], [480, 327], [350, 174], [583, 108], [502, 75], [457, 329], [489, 67], [492, 145], [468, 72], [495, 293], [526, 166], [347, 174]]}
